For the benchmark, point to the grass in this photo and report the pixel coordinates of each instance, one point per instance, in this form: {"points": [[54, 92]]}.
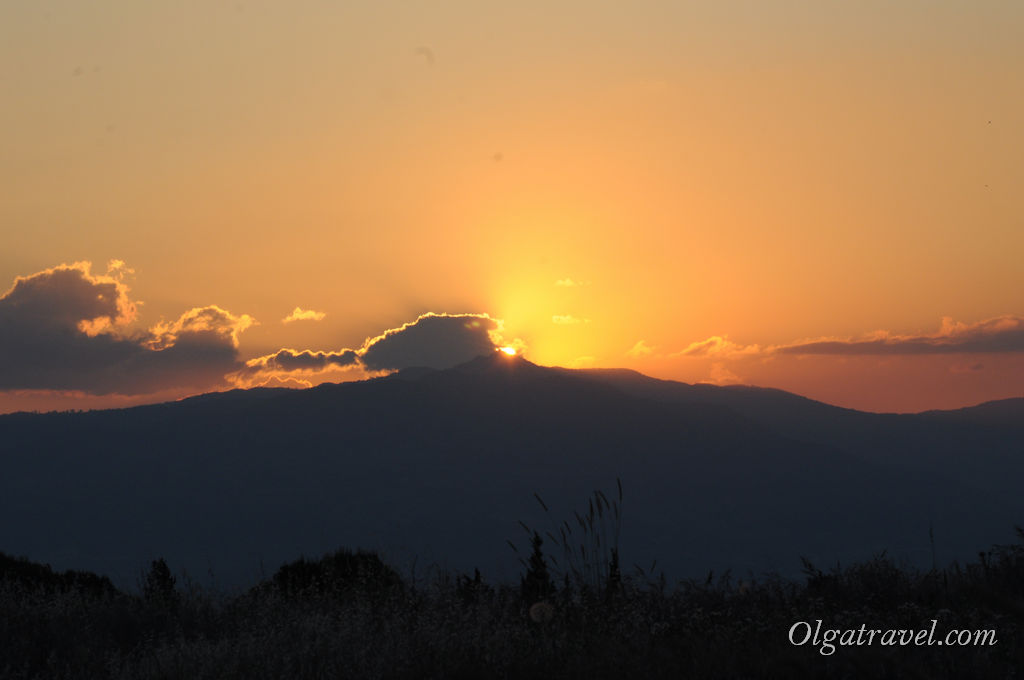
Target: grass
{"points": [[350, 615]]}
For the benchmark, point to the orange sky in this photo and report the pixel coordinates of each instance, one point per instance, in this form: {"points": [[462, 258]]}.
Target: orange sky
{"points": [[767, 173]]}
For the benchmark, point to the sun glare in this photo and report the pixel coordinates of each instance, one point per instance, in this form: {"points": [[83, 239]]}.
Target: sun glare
{"points": [[511, 351]]}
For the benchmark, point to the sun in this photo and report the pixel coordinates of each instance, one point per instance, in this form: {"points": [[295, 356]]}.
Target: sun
{"points": [[511, 351]]}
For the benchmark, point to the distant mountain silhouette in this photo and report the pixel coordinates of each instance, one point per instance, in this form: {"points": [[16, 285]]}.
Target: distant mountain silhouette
{"points": [[437, 466]]}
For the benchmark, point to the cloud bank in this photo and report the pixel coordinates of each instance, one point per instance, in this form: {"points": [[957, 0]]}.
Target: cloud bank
{"points": [[66, 328], [999, 335], [1003, 334], [432, 340]]}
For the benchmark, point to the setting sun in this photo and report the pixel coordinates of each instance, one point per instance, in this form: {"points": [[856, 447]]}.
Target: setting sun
{"points": [[679, 207], [511, 351]]}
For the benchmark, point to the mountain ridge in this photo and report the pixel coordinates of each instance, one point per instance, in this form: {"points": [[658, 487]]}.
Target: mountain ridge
{"points": [[439, 465], [1010, 406]]}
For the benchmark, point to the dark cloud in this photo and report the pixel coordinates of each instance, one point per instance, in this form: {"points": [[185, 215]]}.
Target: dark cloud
{"points": [[276, 366], [211, 323], [66, 297], [290, 360], [197, 360], [432, 340], [64, 329], [68, 329], [999, 335], [1003, 334]]}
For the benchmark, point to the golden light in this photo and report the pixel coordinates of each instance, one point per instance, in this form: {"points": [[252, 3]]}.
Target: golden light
{"points": [[511, 351]]}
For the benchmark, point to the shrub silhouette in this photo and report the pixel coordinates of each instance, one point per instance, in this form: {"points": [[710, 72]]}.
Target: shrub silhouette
{"points": [[339, 573], [41, 577], [472, 589]]}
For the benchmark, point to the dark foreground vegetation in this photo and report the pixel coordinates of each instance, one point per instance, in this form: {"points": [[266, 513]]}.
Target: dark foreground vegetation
{"points": [[348, 615]]}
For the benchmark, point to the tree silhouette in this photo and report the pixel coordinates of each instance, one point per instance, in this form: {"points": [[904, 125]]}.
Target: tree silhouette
{"points": [[536, 585], [159, 585]]}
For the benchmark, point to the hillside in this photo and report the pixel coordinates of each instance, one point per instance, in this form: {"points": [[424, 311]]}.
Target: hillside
{"points": [[437, 467]]}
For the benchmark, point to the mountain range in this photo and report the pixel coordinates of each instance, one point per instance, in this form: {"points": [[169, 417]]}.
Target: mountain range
{"points": [[434, 469]]}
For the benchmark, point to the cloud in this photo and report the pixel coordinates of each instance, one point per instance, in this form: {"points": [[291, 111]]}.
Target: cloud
{"points": [[571, 283], [300, 314], [287, 381], [999, 335], [568, 319], [289, 365], [1003, 334], [716, 346], [211, 321], [426, 53], [69, 296], [720, 375], [640, 349], [432, 340], [293, 360], [66, 328]]}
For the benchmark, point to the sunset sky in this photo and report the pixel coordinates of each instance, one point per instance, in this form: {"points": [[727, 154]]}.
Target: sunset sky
{"points": [[824, 197]]}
